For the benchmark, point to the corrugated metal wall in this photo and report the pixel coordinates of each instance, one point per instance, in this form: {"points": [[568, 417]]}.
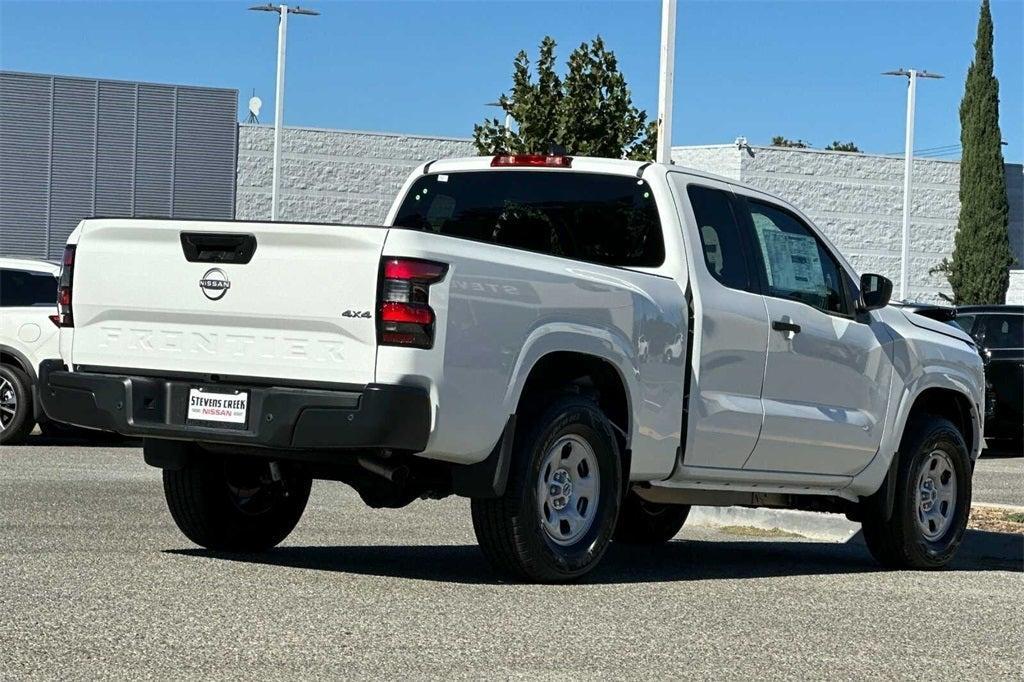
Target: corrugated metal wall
{"points": [[71, 148]]}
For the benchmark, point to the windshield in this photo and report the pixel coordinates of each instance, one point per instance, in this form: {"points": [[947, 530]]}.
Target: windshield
{"points": [[1000, 331], [607, 219]]}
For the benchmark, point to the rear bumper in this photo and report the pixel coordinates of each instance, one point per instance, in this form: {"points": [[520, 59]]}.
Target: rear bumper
{"points": [[280, 417]]}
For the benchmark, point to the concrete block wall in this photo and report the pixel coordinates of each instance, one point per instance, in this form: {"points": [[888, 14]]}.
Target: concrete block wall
{"points": [[338, 176], [331, 176], [857, 201], [720, 159], [1015, 294]]}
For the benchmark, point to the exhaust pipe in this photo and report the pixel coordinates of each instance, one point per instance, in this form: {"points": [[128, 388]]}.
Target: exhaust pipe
{"points": [[396, 473]]}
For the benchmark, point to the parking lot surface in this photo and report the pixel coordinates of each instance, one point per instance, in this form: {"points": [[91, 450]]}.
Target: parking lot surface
{"points": [[999, 479], [98, 583]]}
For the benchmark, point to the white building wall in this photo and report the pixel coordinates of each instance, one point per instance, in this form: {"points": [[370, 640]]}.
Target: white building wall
{"points": [[338, 176], [1015, 294], [720, 159], [857, 200], [331, 176]]}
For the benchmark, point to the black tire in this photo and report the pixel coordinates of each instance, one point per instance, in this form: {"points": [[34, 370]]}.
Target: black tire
{"points": [[900, 541], [649, 523], [510, 529], [206, 504], [16, 395]]}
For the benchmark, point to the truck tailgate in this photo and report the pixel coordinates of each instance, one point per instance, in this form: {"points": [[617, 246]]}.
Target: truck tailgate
{"points": [[301, 308]]}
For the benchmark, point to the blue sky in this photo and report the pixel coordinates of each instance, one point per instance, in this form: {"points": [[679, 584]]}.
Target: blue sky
{"points": [[804, 69]]}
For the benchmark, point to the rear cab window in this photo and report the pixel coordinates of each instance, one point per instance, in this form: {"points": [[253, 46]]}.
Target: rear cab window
{"points": [[23, 289], [721, 237], [591, 217]]}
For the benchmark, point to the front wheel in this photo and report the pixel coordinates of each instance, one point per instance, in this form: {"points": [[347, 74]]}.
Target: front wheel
{"points": [[932, 499], [240, 504], [558, 513]]}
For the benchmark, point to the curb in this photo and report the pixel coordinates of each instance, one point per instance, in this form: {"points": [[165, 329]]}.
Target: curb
{"points": [[811, 525]]}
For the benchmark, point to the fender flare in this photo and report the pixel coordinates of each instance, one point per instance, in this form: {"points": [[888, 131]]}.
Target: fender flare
{"points": [[886, 493], [487, 478], [25, 365], [601, 344]]}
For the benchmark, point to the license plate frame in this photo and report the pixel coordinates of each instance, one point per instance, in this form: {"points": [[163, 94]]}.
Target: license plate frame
{"points": [[217, 407]]}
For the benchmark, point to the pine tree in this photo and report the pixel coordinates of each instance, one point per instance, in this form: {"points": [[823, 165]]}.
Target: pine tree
{"points": [[590, 112], [979, 268]]}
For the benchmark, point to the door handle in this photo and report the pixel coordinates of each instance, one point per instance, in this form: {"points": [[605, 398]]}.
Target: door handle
{"points": [[212, 247], [780, 326]]}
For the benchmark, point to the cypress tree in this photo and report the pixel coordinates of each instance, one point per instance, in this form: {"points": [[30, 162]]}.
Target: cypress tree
{"points": [[979, 269]]}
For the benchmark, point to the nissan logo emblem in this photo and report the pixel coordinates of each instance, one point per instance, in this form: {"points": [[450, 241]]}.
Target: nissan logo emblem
{"points": [[214, 284]]}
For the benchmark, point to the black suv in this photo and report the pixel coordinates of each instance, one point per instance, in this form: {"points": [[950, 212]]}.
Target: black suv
{"points": [[999, 332]]}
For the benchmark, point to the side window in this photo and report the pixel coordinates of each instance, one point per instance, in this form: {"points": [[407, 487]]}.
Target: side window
{"points": [[720, 236], [19, 288], [1000, 331], [796, 265], [965, 322]]}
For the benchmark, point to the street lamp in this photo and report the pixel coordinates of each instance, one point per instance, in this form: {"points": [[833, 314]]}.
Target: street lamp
{"points": [[663, 153], [508, 116], [908, 164], [282, 37]]}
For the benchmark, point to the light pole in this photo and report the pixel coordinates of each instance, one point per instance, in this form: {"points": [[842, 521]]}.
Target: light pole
{"points": [[665, 75], [282, 38], [908, 167], [508, 116]]}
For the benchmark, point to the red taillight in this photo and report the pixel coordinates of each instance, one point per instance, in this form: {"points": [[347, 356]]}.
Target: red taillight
{"points": [[65, 316], [403, 312], [534, 160], [404, 316], [404, 268], [55, 319]]}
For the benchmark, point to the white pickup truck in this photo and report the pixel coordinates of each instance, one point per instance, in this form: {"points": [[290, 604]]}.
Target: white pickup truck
{"points": [[585, 347]]}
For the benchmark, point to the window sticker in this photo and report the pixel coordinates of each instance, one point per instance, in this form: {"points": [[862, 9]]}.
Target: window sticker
{"points": [[791, 260]]}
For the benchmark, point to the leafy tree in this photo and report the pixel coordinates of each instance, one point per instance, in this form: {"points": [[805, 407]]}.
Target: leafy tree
{"points": [[780, 141], [979, 269], [838, 146], [590, 112]]}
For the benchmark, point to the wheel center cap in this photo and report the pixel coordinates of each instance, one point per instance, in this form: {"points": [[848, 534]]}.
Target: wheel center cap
{"points": [[928, 494], [560, 489]]}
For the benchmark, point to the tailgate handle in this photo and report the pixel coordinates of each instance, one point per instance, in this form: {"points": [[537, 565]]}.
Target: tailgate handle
{"points": [[218, 247]]}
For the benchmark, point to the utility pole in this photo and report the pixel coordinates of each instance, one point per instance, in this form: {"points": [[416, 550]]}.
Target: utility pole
{"points": [[508, 116], [282, 38], [665, 76], [908, 170]]}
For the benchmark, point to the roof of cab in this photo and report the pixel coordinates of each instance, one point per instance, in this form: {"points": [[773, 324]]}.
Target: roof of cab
{"points": [[32, 264], [588, 164]]}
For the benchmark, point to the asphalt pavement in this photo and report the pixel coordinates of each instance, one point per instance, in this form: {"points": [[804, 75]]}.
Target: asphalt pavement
{"points": [[96, 582], [999, 479]]}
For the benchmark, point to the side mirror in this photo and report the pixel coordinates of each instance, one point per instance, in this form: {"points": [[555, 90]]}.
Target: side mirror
{"points": [[875, 291]]}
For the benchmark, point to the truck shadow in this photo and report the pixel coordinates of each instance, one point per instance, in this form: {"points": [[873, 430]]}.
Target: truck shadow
{"points": [[71, 437], [680, 560]]}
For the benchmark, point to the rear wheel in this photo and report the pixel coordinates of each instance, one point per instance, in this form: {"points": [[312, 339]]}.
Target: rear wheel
{"points": [[932, 499], [242, 504], [649, 523], [558, 513], [16, 411]]}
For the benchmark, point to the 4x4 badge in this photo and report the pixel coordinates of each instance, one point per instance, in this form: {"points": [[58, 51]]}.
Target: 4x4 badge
{"points": [[214, 284]]}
